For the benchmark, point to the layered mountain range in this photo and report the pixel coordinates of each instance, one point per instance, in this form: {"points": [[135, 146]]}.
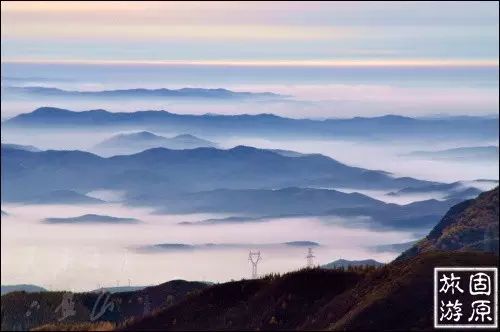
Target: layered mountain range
{"points": [[257, 183], [199, 169], [253, 185], [246, 182], [268, 125], [184, 93]]}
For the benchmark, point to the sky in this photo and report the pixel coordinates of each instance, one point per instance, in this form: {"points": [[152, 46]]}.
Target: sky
{"points": [[270, 33], [336, 59]]}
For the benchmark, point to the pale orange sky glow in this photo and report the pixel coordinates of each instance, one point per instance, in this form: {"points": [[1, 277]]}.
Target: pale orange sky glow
{"points": [[253, 33]]}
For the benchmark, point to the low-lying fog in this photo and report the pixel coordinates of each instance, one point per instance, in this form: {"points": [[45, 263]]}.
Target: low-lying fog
{"points": [[84, 257]]}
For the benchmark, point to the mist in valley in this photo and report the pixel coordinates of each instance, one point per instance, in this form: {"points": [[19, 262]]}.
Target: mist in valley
{"points": [[87, 256], [151, 151], [83, 257], [387, 155], [308, 92]]}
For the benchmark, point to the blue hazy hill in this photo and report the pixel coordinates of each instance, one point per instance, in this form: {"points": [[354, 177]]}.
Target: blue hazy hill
{"points": [[22, 288], [343, 263], [129, 143], [472, 153], [144, 93], [91, 218], [20, 147], [159, 171], [262, 124], [62, 197]]}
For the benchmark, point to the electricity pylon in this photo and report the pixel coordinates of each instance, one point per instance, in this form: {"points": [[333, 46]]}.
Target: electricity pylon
{"points": [[310, 258], [254, 258]]}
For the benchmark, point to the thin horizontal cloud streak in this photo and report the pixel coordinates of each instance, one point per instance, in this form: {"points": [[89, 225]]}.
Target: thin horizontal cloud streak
{"points": [[278, 63], [251, 30], [338, 13], [153, 32]]}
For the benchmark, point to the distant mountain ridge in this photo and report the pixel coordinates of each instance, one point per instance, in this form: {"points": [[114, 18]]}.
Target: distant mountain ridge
{"points": [[158, 172], [62, 197], [188, 181], [395, 247], [91, 219], [267, 125], [120, 289], [30, 148], [263, 202], [184, 247], [144, 93], [343, 263], [129, 143], [473, 153], [22, 288], [454, 190], [253, 206]]}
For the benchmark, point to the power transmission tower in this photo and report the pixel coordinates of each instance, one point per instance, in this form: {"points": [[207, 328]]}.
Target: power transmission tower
{"points": [[254, 258], [310, 258]]}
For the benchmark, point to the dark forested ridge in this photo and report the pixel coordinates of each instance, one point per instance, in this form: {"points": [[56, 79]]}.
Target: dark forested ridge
{"points": [[470, 225], [18, 312], [397, 296]]}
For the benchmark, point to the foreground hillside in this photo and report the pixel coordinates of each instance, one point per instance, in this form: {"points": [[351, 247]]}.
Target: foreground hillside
{"points": [[470, 225], [273, 302], [24, 311], [396, 297]]}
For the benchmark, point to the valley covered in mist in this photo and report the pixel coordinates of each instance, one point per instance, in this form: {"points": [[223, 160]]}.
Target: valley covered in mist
{"points": [[112, 184], [266, 166]]}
